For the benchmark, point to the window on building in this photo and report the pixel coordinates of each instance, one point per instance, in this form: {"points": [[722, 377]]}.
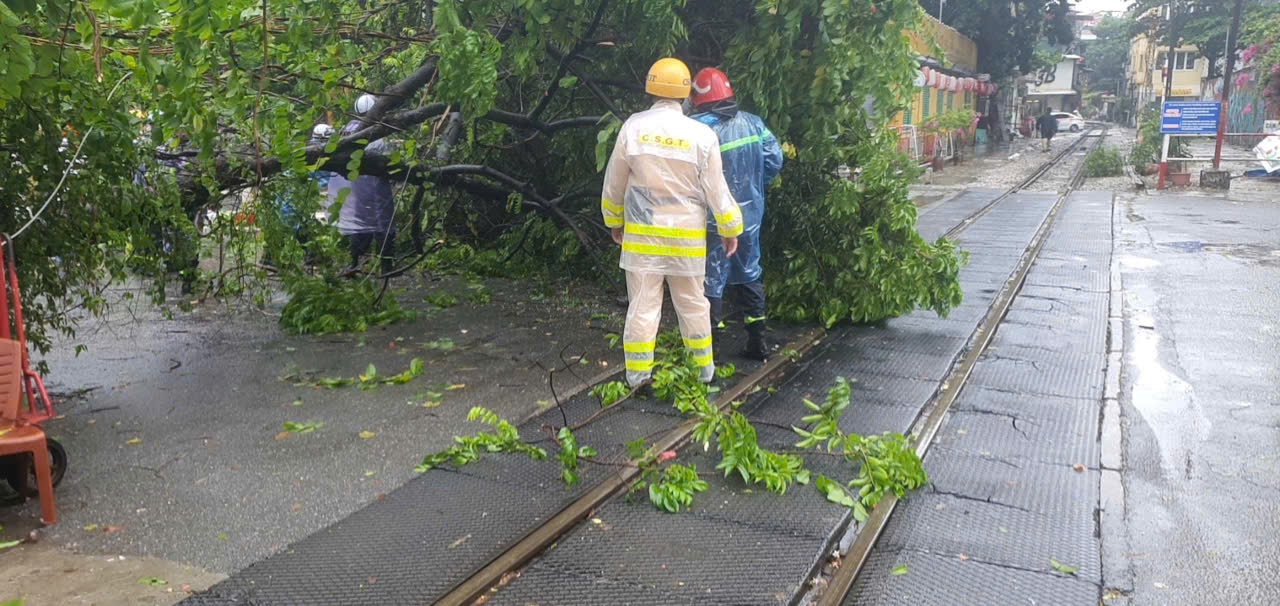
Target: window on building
{"points": [[951, 100], [940, 101], [1183, 61], [968, 99], [925, 96], [906, 113]]}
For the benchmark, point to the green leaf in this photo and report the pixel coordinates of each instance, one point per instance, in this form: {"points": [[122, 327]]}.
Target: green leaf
{"points": [[1064, 569], [899, 570], [9, 544], [153, 581]]}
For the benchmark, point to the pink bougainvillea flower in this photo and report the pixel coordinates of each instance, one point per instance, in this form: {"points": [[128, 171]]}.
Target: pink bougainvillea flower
{"points": [[666, 455], [1248, 109]]}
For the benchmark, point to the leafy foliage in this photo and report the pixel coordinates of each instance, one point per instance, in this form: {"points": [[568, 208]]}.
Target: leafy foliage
{"points": [[675, 488], [610, 392], [741, 452], [325, 305], [369, 379], [1007, 34], [886, 463], [569, 455], [504, 438], [1108, 56], [1147, 148], [301, 428], [1104, 161]]}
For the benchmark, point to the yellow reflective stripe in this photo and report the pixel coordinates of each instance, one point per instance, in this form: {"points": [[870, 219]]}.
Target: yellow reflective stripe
{"points": [[702, 343], [703, 360], [736, 143], [639, 347], [753, 320], [640, 365], [730, 230], [610, 206], [728, 217], [658, 250], [665, 232]]}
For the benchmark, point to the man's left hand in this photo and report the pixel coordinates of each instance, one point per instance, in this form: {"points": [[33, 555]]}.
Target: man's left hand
{"points": [[617, 235], [730, 246]]}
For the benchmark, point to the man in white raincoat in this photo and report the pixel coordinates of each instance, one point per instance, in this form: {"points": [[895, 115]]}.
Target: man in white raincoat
{"points": [[664, 175]]}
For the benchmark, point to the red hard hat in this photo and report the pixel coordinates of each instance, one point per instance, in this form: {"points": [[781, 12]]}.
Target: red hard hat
{"points": [[709, 86]]}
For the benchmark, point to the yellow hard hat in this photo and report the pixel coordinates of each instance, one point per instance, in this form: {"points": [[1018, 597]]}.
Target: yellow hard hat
{"points": [[668, 78]]}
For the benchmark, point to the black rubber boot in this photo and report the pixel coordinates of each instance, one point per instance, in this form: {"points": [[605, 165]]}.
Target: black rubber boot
{"points": [[717, 313], [757, 346]]}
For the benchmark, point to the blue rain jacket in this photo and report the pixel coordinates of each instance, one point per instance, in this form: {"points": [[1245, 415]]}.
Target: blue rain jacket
{"points": [[752, 158]]}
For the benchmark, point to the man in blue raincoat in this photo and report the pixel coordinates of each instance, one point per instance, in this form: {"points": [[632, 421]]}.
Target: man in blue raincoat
{"points": [[752, 158]]}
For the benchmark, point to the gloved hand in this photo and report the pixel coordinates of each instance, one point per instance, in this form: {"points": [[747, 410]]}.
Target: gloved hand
{"points": [[730, 246]]}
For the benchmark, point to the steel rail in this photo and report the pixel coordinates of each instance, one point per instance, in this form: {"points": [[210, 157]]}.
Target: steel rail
{"points": [[932, 416], [1025, 183]]}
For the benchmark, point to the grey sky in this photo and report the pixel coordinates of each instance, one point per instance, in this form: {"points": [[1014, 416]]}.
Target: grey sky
{"points": [[1088, 6]]}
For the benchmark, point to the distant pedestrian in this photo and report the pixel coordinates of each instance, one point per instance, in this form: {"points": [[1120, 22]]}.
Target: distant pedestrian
{"points": [[1048, 127], [368, 208]]}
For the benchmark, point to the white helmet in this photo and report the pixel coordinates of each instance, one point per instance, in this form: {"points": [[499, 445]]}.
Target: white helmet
{"points": [[364, 104], [321, 131]]}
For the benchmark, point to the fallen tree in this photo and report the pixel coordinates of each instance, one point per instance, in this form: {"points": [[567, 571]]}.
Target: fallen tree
{"points": [[503, 111]]}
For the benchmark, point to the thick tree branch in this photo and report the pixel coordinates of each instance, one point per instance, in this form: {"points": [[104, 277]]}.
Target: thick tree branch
{"points": [[554, 86], [547, 128], [595, 89]]}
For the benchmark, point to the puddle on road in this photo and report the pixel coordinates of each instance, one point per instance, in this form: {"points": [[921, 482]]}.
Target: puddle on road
{"points": [[1164, 400], [1136, 262], [1190, 246]]}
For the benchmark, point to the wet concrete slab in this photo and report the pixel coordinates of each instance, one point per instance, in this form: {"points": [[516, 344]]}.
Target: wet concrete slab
{"points": [[1199, 400]]}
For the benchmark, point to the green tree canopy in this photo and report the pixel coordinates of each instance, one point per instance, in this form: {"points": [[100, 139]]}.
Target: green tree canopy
{"points": [[1108, 56]]}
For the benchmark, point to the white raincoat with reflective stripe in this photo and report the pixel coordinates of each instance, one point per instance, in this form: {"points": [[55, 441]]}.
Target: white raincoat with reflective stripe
{"points": [[663, 177]]}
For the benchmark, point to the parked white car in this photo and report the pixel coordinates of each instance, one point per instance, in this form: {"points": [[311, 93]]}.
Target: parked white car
{"points": [[1069, 121]]}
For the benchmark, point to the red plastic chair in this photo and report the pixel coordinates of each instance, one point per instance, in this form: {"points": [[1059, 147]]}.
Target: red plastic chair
{"points": [[24, 447], [17, 435]]}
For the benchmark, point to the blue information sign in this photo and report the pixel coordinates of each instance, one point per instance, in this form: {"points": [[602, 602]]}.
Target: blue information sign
{"points": [[1190, 117]]}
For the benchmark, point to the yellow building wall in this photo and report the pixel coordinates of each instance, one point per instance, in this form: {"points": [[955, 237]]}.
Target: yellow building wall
{"points": [[958, 51], [1145, 73]]}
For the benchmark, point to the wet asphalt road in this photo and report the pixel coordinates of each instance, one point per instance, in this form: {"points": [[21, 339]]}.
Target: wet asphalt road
{"points": [[1201, 401], [176, 449]]}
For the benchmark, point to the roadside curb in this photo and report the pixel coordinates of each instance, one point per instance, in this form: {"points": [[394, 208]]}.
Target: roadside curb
{"points": [[1117, 570]]}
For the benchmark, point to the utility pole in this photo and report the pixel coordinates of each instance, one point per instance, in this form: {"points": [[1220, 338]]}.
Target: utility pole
{"points": [[1226, 81], [1173, 49], [940, 3]]}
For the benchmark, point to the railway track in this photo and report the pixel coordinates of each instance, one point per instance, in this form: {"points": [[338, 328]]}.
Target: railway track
{"points": [[509, 522], [926, 427], [519, 554]]}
